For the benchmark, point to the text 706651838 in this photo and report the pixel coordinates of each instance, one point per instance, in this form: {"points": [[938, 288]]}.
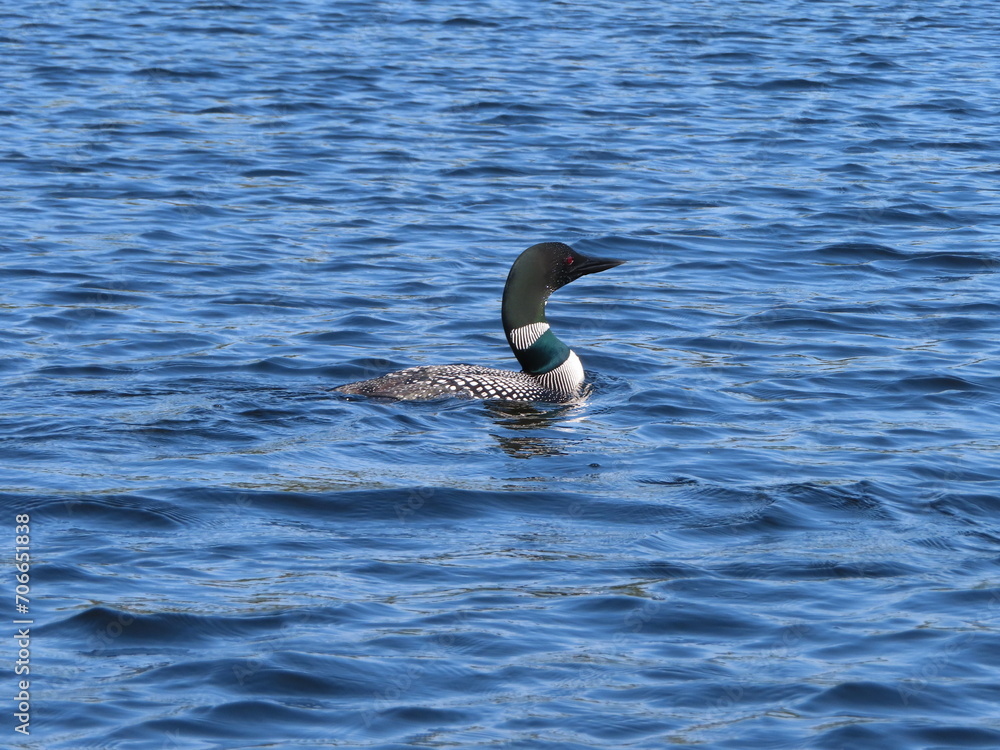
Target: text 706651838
{"points": [[22, 667]]}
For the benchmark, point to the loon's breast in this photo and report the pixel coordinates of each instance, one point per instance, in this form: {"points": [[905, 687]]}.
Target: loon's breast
{"points": [[461, 381]]}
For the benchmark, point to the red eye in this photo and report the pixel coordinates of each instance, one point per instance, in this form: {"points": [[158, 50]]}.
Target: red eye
{"points": [[569, 260]]}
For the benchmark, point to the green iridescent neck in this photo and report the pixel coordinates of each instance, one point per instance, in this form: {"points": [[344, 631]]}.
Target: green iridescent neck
{"points": [[523, 316]]}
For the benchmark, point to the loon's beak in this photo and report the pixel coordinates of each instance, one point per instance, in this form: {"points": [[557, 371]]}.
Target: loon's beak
{"points": [[594, 265]]}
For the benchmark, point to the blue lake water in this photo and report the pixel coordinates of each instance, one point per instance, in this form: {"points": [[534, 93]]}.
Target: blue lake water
{"points": [[776, 522]]}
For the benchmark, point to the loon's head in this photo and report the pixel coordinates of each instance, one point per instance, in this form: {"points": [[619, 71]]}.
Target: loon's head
{"points": [[551, 265], [537, 272]]}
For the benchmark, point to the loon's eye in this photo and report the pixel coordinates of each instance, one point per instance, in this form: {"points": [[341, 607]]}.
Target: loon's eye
{"points": [[569, 260]]}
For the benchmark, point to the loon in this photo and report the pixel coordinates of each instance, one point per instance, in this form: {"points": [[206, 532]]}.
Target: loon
{"points": [[551, 371]]}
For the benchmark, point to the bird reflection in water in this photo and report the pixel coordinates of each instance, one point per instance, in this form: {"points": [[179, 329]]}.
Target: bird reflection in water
{"points": [[527, 416]]}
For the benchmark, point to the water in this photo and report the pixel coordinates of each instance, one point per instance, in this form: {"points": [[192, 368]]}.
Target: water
{"points": [[775, 524]]}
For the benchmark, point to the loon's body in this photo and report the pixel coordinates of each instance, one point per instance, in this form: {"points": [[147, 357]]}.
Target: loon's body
{"points": [[551, 371]]}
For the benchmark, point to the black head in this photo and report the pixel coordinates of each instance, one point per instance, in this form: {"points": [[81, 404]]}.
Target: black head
{"points": [[556, 264], [539, 271]]}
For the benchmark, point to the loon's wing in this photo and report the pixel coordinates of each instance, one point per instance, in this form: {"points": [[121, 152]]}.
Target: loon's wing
{"points": [[460, 381]]}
